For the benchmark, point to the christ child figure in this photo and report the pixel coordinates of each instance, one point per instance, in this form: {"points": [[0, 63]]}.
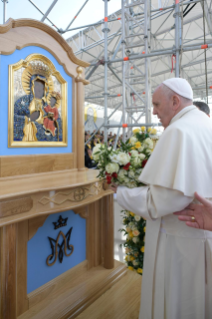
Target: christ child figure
{"points": [[50, 121]]}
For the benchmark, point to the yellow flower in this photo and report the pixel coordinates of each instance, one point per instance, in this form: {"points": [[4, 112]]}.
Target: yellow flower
{"points": [[132, 214], [142, 249], [131, 234], [145, 229], [143, 128], [126, 257], [132, 258], [140, 270], [149, 129], [136, 130], [137, 144], [153, 131], [133, 148], [130, 268]]}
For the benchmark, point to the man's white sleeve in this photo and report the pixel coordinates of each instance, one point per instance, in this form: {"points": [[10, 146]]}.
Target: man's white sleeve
{"points": [[152, 202]]}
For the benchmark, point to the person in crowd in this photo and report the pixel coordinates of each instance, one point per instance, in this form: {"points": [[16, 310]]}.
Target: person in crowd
{"points": [[202, 106], [176, 283]]}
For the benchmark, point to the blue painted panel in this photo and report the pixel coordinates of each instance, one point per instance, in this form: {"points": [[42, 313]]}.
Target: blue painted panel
{"points": [[38, 249], [5, 61]]}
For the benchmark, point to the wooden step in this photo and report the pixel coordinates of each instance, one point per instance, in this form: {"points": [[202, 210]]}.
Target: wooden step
{"points": [[121, 301], [75, 294]]}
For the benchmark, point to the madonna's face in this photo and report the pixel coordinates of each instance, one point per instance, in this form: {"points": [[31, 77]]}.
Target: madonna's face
{"points": [[39, 89]]}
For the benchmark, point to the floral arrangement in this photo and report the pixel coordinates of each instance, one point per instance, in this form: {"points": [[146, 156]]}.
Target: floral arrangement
{"points": [[123, 167], [135, 228]]}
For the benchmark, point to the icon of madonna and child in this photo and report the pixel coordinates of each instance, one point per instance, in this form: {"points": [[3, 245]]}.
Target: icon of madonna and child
{"points": [[36, 115]]}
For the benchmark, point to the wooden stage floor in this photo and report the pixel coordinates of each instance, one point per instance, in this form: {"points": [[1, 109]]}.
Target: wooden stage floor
{"points": [[121, 301]]}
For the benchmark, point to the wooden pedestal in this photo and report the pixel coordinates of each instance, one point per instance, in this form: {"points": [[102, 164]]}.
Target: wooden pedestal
{"points": [[25, 203]]}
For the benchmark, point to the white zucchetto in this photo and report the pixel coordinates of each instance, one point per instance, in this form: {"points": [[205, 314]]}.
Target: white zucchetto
{"points": [[180, 86]]}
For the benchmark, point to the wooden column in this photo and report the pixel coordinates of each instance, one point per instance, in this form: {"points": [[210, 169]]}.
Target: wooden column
{"points": [[80, 120], [8, 271], [108, 231]]}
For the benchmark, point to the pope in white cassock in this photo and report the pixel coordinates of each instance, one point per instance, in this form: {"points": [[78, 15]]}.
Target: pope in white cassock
{"points": [[177, 276]]}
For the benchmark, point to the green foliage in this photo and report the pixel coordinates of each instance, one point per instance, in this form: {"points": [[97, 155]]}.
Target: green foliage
{"points": [[134, 255]]}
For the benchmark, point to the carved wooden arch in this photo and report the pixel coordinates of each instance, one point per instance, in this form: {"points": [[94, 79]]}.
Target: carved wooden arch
{"points": [[18, 47], [11, 23]]}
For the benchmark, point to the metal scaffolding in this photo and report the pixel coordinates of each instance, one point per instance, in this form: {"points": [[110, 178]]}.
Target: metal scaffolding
{"points": [[136, 48]]}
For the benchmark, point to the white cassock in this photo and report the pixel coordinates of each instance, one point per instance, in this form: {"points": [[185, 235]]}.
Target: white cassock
{"points": [[177, 276]]}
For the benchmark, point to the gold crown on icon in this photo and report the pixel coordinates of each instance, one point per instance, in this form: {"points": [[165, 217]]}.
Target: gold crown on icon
{"points": [[40, 69]]}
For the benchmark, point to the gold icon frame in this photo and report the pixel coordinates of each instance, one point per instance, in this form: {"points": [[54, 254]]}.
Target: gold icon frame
{"points": [[64, 103]]}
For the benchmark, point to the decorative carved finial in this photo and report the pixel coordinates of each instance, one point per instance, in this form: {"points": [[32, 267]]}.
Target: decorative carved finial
{"points": [[79, 77], [79, 71]]}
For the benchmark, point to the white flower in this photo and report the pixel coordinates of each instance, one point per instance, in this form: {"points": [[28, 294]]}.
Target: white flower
{"points": [[133, 140], [131, 174], [148, 143], [126, 180], [112, 168], [135, 263], [139, 171], [128, 258], [96, 149], [134, 153], [137, 218], [141, 156], [128, 229], [136, 162], [135, 239], [114, 158], [131, 225], [123, 158], [149, 151], [140, 149], [122, 173], [127, 214]]}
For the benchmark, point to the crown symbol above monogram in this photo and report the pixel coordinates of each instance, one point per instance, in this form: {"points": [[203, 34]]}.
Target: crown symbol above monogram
{"points": [[60, 223], [40, 69]]}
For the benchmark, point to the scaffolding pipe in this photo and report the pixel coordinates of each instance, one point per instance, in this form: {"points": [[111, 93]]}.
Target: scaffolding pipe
{"points": [[49, 10], [105, 30], [171, 51], [177, 44], [43, 14], [123, 69], [117, 135], [133, 125], [76, 15], [4, 10], [147, 39]]}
